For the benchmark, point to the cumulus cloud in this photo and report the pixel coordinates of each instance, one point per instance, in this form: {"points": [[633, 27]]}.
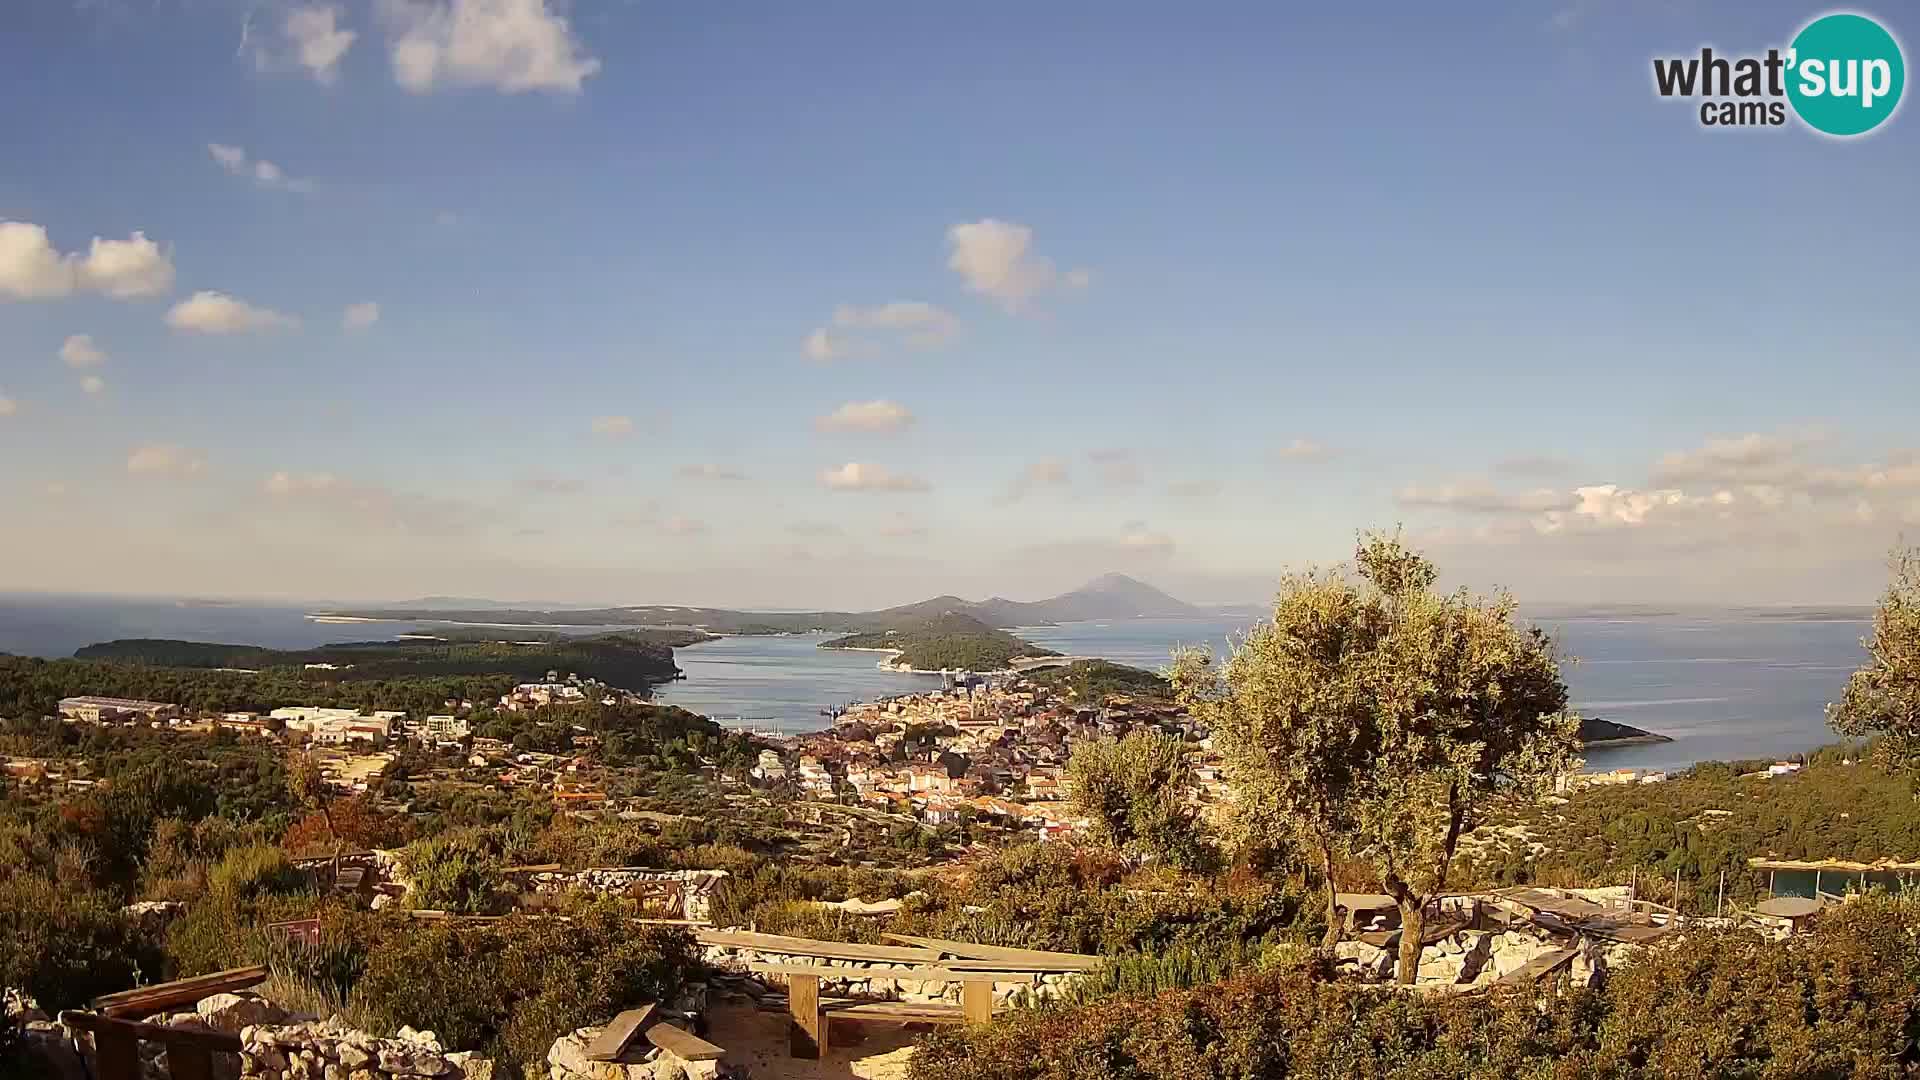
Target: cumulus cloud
{"points": [[683, 526], [1139, 538], [93, 384], [866, 416], [209, 312], [164, 460], [1038, 476], [857, 476], [1750, 457], [707, 470], [337, 500], [512, 46], [8, 406], [902, 526], [1117, 467], [869, 331], [995, 258], [612, 427], [360, 316], [1482, 499], [1304, 452], [79, 351], [318, 41], [265, 173], [31, 268]]}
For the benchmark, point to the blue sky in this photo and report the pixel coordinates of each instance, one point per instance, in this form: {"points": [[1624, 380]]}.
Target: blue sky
{"points": [[1192, 293]]}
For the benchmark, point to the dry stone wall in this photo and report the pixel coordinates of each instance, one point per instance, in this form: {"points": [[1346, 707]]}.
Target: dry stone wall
{"points": [[867, 978]]}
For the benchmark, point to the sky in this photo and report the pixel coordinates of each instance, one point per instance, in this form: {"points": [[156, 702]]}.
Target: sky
{"points": [[844, 305]]}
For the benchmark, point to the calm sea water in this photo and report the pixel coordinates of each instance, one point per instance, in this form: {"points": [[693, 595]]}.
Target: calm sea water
{"points": [[1721, 687]]}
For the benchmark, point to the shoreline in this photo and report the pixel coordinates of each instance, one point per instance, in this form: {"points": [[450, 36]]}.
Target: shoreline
{"points": [[1649, 739]]}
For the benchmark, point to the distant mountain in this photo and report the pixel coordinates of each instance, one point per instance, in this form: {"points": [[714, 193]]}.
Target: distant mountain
{"points": [[1111, 596]]}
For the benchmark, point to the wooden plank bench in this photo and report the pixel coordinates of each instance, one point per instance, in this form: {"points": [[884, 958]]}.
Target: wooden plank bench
{"points": [[1537, 968], [614, 1039], [811, 1016], [682, 1043]]}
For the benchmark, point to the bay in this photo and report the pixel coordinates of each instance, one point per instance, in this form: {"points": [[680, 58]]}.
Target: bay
{"points": [[1722, 686]]}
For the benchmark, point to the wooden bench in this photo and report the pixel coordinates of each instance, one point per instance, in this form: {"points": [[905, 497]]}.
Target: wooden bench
{"points": [[145, 1001], [810, 1036], [116, 1046], [612, 1043]]}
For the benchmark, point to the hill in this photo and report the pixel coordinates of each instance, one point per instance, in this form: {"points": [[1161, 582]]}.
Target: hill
{"points": [[947, 640], [1597, 732], [1111, 596]]}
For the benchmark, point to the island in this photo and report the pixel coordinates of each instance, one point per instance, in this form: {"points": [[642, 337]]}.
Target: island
{"points": [[948, 641], [1596, 733]]}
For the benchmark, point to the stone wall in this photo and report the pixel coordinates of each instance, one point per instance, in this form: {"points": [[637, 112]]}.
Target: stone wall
{"points": [[1473, 958], [693, 888], [329, 1050], [865, 978]]}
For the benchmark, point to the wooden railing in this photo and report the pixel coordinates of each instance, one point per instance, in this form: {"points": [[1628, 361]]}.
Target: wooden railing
{"points": [[116, 1046]]}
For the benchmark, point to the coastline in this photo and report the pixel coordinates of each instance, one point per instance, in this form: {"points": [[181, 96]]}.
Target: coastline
{"points": [[1649, 739]]}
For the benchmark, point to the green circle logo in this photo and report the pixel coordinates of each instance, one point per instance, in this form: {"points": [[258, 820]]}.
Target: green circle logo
{"points": [[1845, 74]]}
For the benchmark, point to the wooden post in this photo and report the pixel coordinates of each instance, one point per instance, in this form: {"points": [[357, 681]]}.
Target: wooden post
{"points": [[116, 1054], [809, 1035], [1720, 902], [976, 1001]]}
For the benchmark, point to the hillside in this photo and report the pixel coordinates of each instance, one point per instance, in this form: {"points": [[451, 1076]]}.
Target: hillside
{"points": [[1597, 732], [632, 660], [948, 640], [1111, 596]]}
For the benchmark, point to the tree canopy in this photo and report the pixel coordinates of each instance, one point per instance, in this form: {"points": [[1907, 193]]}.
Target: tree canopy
{"points": [[1883, 697]]}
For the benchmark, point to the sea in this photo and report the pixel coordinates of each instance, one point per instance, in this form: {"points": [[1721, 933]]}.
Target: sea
{"points": [[1722, 686]]}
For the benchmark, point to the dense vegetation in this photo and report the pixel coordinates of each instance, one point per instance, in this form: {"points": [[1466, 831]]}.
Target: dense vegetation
{"points": [[33, 687], [1091, 682], [948, 640], [1844, 1002], [633, 659]]}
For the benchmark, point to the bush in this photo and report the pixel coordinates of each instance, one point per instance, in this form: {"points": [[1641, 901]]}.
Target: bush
{"points": [[64, 945], [454, 872], [514, 986], [1843, 1002]]}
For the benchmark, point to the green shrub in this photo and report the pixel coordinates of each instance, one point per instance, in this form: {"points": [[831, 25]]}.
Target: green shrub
{"points": [[64, 945], [514, 986], [453, 872]]}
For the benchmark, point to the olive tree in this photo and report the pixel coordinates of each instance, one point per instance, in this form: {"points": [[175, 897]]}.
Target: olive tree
{"points": [[1376, 716], [1133, 788], [1882, 698]]}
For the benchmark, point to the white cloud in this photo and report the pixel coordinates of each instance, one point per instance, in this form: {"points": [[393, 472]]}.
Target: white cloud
{"points": [[612, 427], [164, 459], [903, 527], [1147, 542], [1193, 489], [869, 416], [512, 46], [265, 173], [866, 331], [855, 476], [1481, 499], [333, 499], [318, 40], [32, 269], [209, 312], [1045, 473], [93, 384], [683, 526], [360, 316], [1304, 452], [1118, 467], [708, 470], [79, 351], [8, 406], [995, 259], [1744, 457]]}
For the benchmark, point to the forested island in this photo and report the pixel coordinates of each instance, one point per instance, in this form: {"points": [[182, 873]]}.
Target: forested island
{"points": [[1597, 732], [949, 640]]}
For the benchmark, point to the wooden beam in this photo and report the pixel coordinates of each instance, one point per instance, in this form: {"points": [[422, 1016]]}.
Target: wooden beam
{"points": [[147, 1000], [189, 1062], [107, 1027], [969, 951], [924, 974], [685, 1045], [976, 1002], [116, 1055], [614, 1039], [808, 1039], [903, 1011], [795, 946], [1032, 967]]}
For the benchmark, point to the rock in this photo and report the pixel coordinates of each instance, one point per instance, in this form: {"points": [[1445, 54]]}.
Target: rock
{"points": [[569, 1052], [353, 1055], [471, 1066], [232, 1012], [411, 1061]]}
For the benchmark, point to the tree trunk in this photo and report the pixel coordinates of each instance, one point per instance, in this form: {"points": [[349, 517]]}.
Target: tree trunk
{"points": [[1332, 937], [1413, 926], [326, 814]]}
